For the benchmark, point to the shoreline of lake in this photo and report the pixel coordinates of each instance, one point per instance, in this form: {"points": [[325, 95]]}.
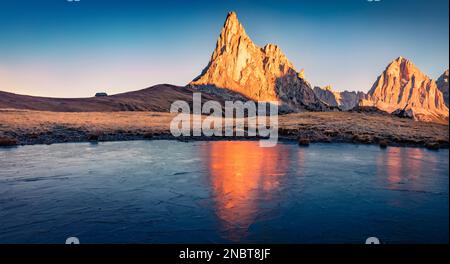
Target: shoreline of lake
{"points": [[18, 127]]}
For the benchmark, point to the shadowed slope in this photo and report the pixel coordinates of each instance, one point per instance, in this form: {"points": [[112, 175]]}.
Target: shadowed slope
{"points": [[442, 84], [156, 98]]}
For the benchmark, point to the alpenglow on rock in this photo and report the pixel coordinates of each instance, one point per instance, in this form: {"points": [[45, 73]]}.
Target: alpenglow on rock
{"points": [[442, 84], [345, 100], [260, 74], [402, 87]]}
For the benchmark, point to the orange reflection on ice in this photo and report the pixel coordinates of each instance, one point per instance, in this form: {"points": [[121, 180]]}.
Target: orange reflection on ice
{"points": [[395, 166], [242, 174], [401, 164], [402, 169]]}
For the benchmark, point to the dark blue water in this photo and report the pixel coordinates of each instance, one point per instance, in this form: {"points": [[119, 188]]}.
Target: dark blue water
{"points": [[220, 192]]}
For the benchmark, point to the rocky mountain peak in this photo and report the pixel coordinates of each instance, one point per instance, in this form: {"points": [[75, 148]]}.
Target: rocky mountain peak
{"points": [[403, 87], [232, 26], [260, 74], [231, 19], [404, 68], [232, 32]]}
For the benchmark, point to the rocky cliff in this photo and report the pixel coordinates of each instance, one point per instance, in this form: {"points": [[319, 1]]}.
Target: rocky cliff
{"points": [[327, 95], [260, 74], [345, 100], [442, 84], [402, 87]]}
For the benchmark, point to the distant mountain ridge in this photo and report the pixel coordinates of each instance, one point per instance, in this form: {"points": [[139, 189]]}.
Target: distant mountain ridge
{"points": [[260, 74], [345, 100], [402, 87]]}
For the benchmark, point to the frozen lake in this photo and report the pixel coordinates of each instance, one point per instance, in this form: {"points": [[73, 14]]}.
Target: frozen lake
{"points": [[222, 192]]}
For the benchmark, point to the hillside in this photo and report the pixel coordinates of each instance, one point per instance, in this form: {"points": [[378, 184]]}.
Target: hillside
{"points": [[156, 98]]}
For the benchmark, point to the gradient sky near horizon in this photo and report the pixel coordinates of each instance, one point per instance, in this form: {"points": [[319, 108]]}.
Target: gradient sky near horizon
{"points": [[59, 48]]}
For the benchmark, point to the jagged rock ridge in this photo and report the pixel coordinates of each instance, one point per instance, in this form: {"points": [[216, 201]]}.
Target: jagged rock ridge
{"points": [[442, 84], [402, 87], [345, 100], [260, 74]]}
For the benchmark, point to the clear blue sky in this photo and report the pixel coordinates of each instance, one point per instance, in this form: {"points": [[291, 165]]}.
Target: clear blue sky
{"points": [[63, 49]]}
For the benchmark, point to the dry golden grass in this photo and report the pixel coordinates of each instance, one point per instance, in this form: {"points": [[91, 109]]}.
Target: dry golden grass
{"points": [[367, 125], [40, 121], [31, 127]]}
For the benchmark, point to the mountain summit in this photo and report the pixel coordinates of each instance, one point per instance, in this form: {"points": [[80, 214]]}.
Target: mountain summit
{"points": [[260, 74], [402, 87]]}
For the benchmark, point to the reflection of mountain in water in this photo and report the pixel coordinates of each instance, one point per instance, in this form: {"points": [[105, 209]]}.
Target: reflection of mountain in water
{"points": [[404, 169], [244, 177]]}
